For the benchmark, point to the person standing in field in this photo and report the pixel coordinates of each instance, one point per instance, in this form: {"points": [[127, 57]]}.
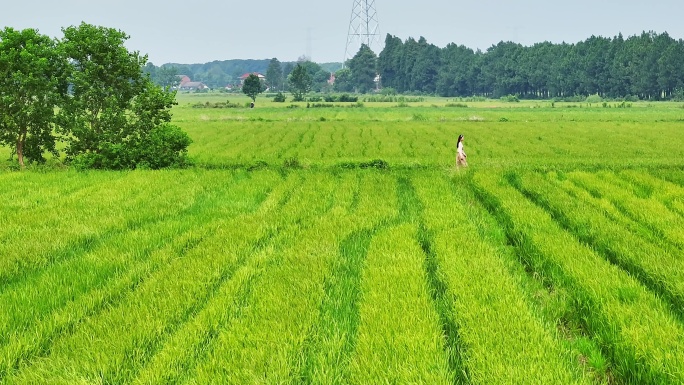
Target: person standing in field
{"points": [[460, 153]]}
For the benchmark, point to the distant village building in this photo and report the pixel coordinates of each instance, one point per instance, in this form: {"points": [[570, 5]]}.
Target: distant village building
{"points": [[246, 75], [187, 85]]}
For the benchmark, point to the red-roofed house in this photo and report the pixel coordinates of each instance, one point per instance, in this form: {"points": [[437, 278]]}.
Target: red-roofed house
{"points": [[246, 75], [187, 85]]}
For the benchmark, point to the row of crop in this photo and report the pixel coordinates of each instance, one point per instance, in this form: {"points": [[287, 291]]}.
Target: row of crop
{"points": [[321, 142], [657, 264], [637, 330], [117, 343], [273, 340], [35, 293], [636, 202], [399, 336], [502, 340], [196, 340], [73, 214], [45, 309], [659, 187]]}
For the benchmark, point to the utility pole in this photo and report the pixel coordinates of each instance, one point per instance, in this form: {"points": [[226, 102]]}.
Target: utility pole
{"points": [[363, 28]]}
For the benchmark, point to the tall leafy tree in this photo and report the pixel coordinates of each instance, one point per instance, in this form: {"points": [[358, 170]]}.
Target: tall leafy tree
{"points": [[274, 75], [456, 77], [253, 86], [363, 69], [32, 83], [300, 82], [319, 76], [426, 67], [114, 109], [389, 62]]}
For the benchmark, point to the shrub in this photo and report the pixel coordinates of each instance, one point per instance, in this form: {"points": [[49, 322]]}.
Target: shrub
{"points": [[375, 163], [596, 98], [347, 98], [279, 98], [165, 146], [510, 99], [292, 163], [162, 147]]}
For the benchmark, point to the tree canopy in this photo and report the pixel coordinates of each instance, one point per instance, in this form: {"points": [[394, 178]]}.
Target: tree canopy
{"points": [[274, 75], [32, 82], [253, 86], [113, 116], [363, 69], [646, 66], [300, 82]]}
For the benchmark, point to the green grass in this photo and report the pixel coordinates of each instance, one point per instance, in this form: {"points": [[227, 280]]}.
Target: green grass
{"points": [[340, 245]]}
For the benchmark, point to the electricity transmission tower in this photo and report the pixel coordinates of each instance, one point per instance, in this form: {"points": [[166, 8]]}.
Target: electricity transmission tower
{"points": [[363, 28]]}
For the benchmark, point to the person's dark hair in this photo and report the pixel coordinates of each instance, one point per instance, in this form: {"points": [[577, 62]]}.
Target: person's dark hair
{"points": [[459, 139]]}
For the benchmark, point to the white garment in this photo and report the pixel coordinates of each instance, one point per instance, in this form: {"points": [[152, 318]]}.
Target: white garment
{"points": [[459, 148]]}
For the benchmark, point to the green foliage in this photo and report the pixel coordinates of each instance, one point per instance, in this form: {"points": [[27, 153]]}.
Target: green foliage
{"points": [[678, 95], [226, 104], [115, 116], [32, 83], [594, 99], [541, 71], [300, 82], [274, 75], [363, 70], [167, 77], [279, 98], [343, 81], [292, 163], [253, 86], [345, 98], [510, 99], [393, 99], [165, 146]]}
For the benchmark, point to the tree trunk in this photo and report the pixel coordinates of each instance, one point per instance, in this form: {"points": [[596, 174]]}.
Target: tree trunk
{"points": [[20, 150]]}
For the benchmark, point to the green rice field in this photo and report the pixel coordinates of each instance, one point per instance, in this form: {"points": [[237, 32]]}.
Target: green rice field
{"points": [[339, 244]]}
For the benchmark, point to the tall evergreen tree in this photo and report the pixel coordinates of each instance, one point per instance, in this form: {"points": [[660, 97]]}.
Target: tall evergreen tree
{"points": [[274, 75], [363, 69]]}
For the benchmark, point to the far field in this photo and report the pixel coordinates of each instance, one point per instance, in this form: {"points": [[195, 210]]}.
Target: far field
{"points": [[340, 245]]}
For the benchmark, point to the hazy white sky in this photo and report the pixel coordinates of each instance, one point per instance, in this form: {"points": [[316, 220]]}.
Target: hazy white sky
{"points": [[206, 30]]}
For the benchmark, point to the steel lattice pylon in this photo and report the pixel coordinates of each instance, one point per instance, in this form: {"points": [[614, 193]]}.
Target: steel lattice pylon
{"points": [[363, 28]]}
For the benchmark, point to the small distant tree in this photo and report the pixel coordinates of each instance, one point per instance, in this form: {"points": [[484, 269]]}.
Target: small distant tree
{"points": [[300, 83], [343, 81], [167, 77], [31, 84], [253, 86], [274, 75]]}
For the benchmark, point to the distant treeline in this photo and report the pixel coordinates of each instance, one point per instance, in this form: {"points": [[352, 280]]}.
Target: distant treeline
{"points": [[219, 74], [647, 66]]}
